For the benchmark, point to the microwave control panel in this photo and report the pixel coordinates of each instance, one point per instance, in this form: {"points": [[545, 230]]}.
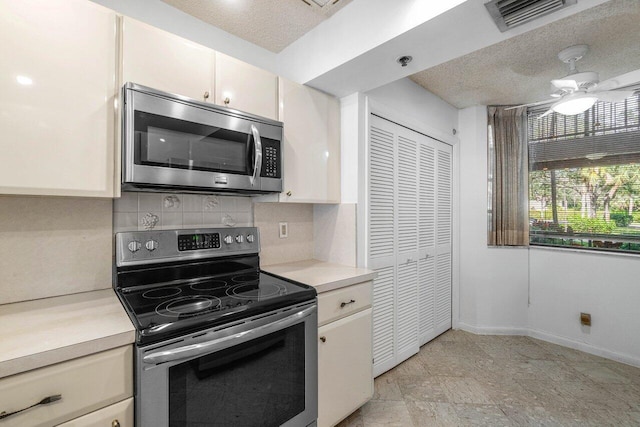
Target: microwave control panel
{"points": [[271, 164]]}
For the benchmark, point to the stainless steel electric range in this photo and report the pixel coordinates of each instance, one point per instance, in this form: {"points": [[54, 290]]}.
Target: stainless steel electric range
{"points": [[218, 342]]}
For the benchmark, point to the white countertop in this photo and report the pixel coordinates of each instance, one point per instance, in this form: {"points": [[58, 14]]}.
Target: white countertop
{"points": [[51, 330], [324, 276]]}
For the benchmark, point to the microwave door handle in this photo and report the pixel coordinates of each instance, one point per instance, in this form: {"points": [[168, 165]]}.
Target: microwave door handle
{"points": [[257, 166], [207, 347]]}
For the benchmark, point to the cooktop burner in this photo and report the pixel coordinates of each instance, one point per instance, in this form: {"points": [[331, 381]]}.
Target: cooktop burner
{"points": [[245, 278], [161, 293], [252, 291], [209, 285], [188, 306]]}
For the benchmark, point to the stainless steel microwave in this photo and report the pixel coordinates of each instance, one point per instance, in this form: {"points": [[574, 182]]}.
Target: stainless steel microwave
{"points": [[174, 143]]}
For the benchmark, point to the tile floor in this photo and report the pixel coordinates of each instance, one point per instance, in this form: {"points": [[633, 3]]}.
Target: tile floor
{"points": [[462, 379]]}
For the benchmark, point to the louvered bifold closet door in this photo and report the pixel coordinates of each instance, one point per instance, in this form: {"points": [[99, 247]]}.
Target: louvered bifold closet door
{"points": [[443, 236], [381, 239], [427, 242], [407, 238]]}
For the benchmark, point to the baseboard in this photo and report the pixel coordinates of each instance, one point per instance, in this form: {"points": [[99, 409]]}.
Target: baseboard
{"points": [[587, 348], [554, 339], [491, 330]]}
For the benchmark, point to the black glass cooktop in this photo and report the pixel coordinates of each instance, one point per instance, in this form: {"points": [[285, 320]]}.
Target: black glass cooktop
{"points": [[169, 309]]}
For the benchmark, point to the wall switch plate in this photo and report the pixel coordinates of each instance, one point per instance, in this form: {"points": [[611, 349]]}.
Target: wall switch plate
{"points": [[283, 230], [585, 319]]}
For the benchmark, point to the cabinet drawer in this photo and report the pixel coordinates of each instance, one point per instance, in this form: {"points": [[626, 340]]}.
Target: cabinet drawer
{"points": [[119, 414], [343, 302], [85, 384]]}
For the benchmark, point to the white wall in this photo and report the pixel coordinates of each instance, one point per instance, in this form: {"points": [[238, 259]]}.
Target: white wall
{"points": [[493, 281], [496, 283], [415, 105], [359, 27], [565, 283]]}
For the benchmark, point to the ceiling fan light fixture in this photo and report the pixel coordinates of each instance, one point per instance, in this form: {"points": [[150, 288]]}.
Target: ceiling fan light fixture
{"points": [[572, 105]]}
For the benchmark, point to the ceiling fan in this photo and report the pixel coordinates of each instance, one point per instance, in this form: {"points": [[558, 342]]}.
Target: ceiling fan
{"points": [[578, 91]]}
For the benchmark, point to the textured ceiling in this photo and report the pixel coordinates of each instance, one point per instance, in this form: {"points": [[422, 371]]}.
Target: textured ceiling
{"points": [[518, 70], [271, 24]]}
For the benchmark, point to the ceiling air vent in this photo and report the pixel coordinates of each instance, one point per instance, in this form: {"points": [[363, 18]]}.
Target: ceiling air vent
{"points": [[511, 13], [320, 3]]}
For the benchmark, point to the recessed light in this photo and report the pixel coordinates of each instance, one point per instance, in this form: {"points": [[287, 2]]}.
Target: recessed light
{"points": [[404, 60], [24, 80]]}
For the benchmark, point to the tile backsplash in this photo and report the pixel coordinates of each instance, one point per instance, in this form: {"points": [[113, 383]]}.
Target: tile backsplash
{"points": [[162, 211], [298, 245], [52, 246]]}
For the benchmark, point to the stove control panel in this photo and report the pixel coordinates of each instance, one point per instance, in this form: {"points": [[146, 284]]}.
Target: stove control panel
{"points": [[194, 242], [147, 247]]}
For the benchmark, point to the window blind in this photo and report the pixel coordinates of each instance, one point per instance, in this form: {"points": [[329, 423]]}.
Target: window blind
{"points": [[584, 177], [606, 134]]}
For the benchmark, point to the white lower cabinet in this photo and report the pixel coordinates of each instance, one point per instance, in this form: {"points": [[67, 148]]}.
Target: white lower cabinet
{"points": [[117, 415], [85, 387], [345, 368]]}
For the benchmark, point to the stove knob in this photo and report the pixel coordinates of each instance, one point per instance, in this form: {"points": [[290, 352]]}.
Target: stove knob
{"points": [[134, 246], [239, 238], [228, 239], [151, 245], [250, 238]]}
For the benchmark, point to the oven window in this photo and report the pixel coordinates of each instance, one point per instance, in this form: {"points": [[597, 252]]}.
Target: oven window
{"points": [[258, 383], [169, 142]]}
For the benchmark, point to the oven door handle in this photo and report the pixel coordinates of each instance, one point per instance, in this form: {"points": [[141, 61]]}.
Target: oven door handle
{"points": [[257, 165], [192, 350]]}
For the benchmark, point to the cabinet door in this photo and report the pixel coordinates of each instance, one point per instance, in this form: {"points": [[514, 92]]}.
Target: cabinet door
{"points": [[119, 414], [58, 89], [312, 144], [247, 88], [345, 377], [164, 61]]}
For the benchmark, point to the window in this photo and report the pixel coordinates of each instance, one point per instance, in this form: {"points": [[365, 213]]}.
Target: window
{"points": [[584, 177]]}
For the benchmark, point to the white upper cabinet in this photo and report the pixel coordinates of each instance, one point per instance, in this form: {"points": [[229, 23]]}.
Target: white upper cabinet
{"points": [[311, 144], [58, 86], [164, 61], [242, 86]]}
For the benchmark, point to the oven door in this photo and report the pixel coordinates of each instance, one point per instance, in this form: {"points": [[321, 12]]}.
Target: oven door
{"points": [[175, 142], [262, 372]]}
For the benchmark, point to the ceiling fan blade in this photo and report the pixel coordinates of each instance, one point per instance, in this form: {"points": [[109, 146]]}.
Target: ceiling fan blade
{"points": [[622, 80], [532, 104], [613, 96], [545, 114], [565, 84]]}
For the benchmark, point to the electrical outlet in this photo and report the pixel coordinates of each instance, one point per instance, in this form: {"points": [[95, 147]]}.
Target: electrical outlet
{"points": [[284, 230], [585, 319]]}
